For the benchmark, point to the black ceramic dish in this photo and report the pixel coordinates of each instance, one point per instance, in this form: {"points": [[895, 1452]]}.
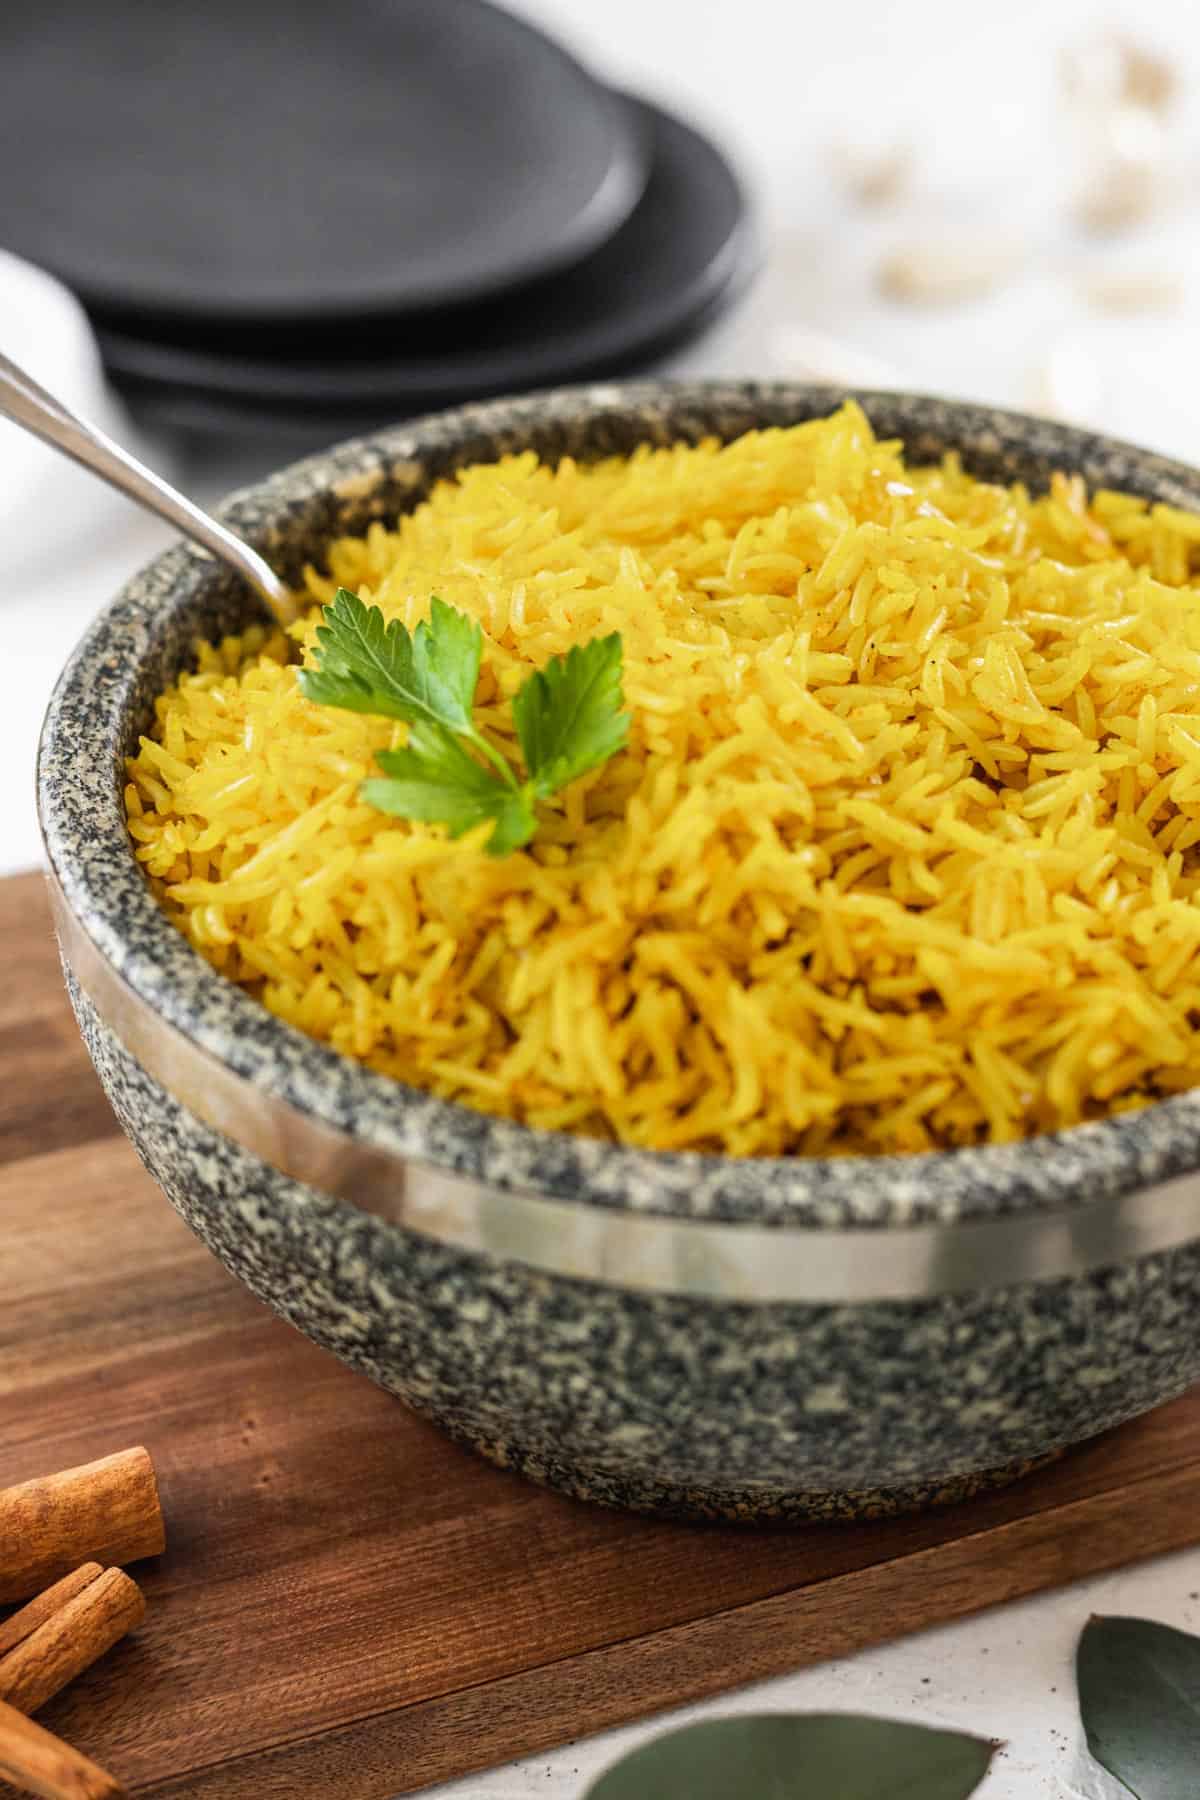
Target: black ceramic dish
{"points": [[752, 1339], [684, 255], [293, 161]]}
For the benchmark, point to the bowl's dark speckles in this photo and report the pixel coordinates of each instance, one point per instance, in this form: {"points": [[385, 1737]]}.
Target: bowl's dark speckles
{"points": [[708, 1407]]}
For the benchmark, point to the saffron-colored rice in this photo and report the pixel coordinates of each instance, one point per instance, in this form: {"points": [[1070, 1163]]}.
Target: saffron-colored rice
{"points": [[905, 851]]}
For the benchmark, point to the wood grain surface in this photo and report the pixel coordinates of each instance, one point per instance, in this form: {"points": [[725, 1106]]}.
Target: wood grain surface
{"points": [[353, 1607]]}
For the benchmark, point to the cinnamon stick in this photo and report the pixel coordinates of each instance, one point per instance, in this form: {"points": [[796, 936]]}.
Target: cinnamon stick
{"points": [[71, 1640], [39, 1763], [106, 1512], [23, 1623]]}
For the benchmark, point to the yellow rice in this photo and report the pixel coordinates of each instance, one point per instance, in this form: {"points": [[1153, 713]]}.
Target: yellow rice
{"points": [[904, 852]]}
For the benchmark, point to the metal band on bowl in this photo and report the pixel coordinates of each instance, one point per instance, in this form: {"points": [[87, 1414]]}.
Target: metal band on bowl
{"points": [[650, 1253]]}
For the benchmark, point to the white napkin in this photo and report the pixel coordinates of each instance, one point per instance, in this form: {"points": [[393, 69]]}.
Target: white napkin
{"points": [[67, 541], [49, 506]]}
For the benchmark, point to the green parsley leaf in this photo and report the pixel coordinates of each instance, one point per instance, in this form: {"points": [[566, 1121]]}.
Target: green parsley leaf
{"points": [[434, 778], [568, 715], [369, 667]]}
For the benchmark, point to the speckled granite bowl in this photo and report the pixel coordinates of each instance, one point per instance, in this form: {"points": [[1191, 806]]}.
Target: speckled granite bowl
{"points": [[746, 1339]]}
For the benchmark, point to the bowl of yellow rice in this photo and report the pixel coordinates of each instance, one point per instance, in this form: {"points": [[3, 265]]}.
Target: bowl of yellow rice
{"points": [[803, 1122]]}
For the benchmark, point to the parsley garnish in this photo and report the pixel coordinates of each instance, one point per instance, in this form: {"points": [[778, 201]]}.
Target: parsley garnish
{"points": [[568, 717]]}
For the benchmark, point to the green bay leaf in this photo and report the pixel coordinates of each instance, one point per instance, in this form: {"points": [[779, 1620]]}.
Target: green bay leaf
{"points": [[801, 1756], [1139, 1699]]}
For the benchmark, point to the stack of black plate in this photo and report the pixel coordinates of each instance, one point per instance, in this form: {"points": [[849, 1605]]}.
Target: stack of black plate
{"points": [[286, 213]]}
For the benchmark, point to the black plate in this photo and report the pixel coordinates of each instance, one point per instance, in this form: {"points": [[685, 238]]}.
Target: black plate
{"points": [[686, 251], [201, 160]]}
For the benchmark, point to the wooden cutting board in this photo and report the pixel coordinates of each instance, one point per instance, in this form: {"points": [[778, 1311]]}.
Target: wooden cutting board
{"points": [[351, 1607]]}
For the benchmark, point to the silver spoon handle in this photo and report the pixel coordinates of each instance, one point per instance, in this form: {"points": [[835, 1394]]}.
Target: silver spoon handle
{"points": [[28, 404]]}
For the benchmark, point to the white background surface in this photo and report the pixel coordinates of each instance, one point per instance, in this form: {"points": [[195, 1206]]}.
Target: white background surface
{"points": [[780, 81]]}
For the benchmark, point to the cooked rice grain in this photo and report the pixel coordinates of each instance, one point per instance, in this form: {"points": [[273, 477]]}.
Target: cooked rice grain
{"points": [[903, 852]]}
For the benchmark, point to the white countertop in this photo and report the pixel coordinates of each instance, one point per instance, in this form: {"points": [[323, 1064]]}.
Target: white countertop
{"points": [[974, 90]]}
